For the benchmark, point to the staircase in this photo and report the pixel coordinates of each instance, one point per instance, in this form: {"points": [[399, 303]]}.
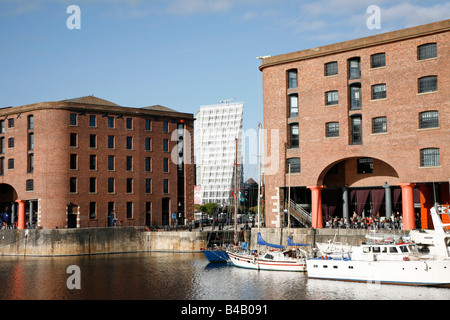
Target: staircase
{"points": [[300, 214]]}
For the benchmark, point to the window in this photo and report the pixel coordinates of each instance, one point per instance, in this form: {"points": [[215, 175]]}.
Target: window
{"points": [[165, 165], [30, 122], [92, 209], [129, 185], [331, 68], [356, 137], [11, 143], [30, 163], [111, 163], [111, 185], [148, 125], [378, 60], [92, 121], [73, 119], [332, 129], [166, 186], [428, 84], [73, 161], [111, 122], [129, 143], [129, 210], [2, 145], [294, 135], [129, 123], [110, 142], [355, 96], [129, 166], [2, 126], [429, 157], [379, 125], [427, 51], [93, 141], [365, 165], [92, 185], [331, 97], [2, 166], [148, 185], [379, 91], [292, 78], [73, 185], [11, 163], [30, 141], [293, 105], [295, 165], [148, 144], [165, 127], [11, 123], [165, 145], [92, 162], [355, 68], [428, 119], [148, 164], [29, 185]]}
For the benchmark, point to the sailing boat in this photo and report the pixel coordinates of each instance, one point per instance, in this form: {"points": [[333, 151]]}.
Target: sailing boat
{"points": [[278, 258]]}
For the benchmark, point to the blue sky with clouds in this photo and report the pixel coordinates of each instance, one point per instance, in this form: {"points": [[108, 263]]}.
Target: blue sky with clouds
{"points": [[178, 53]]}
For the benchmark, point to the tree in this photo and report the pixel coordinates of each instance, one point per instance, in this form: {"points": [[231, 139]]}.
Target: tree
{"points": [[209, 208]]}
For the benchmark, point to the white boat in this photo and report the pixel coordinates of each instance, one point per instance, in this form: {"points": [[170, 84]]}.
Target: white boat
{"points": [[276, 259], [390, 263]]}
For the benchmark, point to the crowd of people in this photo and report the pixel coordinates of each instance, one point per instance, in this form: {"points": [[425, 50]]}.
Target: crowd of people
{"points": [[370, 222]]}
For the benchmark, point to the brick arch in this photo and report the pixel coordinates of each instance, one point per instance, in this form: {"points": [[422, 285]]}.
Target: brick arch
{"points": [[7, 193], [343, 172]]}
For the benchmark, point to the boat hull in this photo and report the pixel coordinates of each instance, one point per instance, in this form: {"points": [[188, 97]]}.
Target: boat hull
{"points": [[216, 256], [252, 262], [413, 273]]}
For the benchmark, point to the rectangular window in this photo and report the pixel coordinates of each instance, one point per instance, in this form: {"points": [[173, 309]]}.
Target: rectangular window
{"points": [[111, 122], [294, 135], [295, 165], [378, 60], [166, 186], [29, 185], [73, 139], [92, 210], [110, 142], [129, 166], [166, 165], [11, 143], [148, 125], [129, 123], [73, 161], [111, 185], [129, 143], [356, 130], [355, 97], [428, 119], [73, 119], [11, 123], [92, 185], [92, 121], [92, 162], [129, 210], [293, 105], [30, 163], [427, 51], [2, 145], [148, 185], [332, 129], [93, 141], [165, 145], [148, 144], [129, 185], [331, 97], [430, 157], [148, 164], [331, 68], [379, 125], [165, 127], [2, 126], [365, 165], [73, 185], [428, 84], [355, 68], [379, 91], [30, 122], [111, 163], [292, 78], [11, 163]]}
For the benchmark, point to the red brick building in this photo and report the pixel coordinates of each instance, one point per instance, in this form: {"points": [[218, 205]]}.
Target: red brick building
{"points": [[365, 125], [83, 162]]}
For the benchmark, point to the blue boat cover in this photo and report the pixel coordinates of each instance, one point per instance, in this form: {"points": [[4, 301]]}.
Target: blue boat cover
{"points": [[291, 243], [263, 243]]}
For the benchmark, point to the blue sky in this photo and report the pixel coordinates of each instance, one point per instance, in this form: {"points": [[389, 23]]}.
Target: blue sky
{"points": [[178, 53]]}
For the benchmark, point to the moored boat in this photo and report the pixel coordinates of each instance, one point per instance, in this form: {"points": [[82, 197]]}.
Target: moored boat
{"points": [[216, 255]]}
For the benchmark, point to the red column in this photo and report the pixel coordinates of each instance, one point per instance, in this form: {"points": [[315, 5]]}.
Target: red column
{"points": [[409, 222], [21, 214], [316, 206]]}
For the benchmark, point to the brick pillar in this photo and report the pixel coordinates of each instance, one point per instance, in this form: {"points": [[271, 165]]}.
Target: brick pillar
{"points": [[408, 206], [316, 206], [21, 214]]}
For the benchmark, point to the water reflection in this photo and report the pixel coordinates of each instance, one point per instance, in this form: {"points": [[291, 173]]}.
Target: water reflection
{"points": [[179, 276]]}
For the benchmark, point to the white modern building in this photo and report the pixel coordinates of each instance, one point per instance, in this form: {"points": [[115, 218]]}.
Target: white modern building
{"points": [[216, 129]]}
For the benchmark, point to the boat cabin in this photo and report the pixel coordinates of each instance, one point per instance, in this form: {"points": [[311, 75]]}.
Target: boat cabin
{"points": [[377, 252]]}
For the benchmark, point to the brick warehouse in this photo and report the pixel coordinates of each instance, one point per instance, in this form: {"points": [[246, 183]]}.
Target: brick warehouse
{"points": [[364, 125], [84, 162]]}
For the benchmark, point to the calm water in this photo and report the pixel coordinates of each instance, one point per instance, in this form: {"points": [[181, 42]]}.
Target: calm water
{"points": [[179, 276]]}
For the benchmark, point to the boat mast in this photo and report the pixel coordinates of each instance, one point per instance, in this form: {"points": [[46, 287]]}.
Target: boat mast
{"points": [[259, 178], [235, 193], [289, 202]]}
